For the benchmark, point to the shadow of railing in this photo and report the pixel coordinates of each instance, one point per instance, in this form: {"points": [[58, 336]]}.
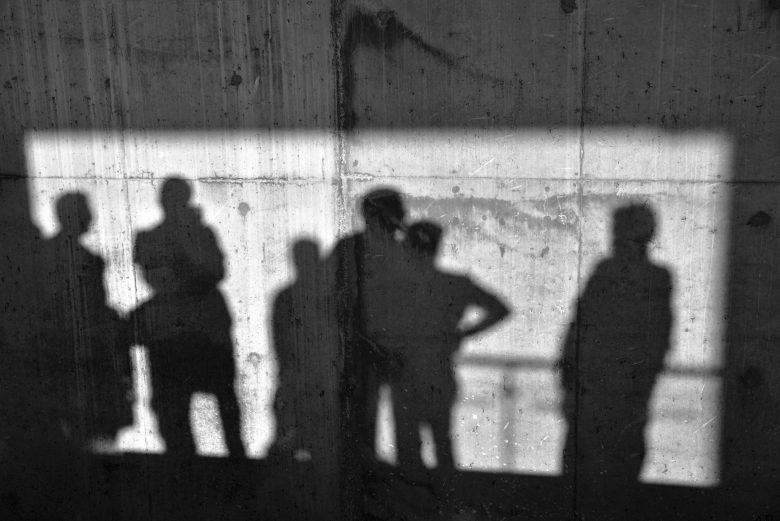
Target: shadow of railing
{"points": [[524, 397]]}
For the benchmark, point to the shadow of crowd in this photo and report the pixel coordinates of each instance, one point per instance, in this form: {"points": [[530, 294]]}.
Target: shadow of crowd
{"points": [[378, 307]]}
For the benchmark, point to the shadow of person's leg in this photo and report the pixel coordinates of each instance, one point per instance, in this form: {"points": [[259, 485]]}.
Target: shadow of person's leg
{"points": [[171, 404], [367, 404], [407, 430], [440, 427], [230, 414]]}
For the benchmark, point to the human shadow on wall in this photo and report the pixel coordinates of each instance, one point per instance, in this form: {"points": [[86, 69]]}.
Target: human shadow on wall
{"points": [[88, 368], [301, 324], [368, 266], [401, 319], [431, 329], [65, 371], [612, 357], [186, 325], [64, 381], [305, 452]]}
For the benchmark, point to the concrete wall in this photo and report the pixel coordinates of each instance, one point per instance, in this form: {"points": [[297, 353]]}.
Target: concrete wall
{"points": [[517, 127]]}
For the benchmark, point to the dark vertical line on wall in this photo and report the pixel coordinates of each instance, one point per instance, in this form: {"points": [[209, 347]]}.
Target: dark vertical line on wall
{"points": [[710, 121], [201, 83], [342, 101], [661, 54], [285, 80], [583, 110], [340, 65], [271, 61], [110, 80], [349, 500], [222, 69], [91, 76]]}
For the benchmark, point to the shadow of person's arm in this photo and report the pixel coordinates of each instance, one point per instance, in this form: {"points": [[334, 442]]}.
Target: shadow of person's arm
{"points": [[215, 259], [662, 318], [493, 310]]}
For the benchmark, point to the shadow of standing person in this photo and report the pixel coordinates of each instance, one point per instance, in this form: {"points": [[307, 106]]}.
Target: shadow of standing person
{"points": [[369, 266], [302, 327], [69, 384], [186, 325], [306, 406], [88, 362], [431, 332], [612, 357]]}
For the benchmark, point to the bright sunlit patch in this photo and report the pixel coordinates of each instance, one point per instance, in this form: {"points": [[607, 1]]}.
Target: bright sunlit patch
{"points": [[142, 436], [428, 447], [258, 191], [208, 431], [524, 212], [385, 434]]}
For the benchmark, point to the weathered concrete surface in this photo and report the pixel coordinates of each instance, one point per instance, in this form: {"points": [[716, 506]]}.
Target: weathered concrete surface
{"points": [[530, 234], [517, 127]]}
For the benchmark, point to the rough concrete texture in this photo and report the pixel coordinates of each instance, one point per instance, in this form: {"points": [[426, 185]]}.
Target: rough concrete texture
{"points": [[517, 127]]}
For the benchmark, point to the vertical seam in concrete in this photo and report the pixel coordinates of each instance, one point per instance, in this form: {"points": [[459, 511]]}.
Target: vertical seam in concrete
{"points": [[341, 108], [347, 488], [583, 93]]}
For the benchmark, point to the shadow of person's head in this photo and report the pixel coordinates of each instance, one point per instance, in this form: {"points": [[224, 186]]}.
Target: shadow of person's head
{"points": [[73, 214], [305, 255], [160, 255], [383, 209], [175, 196], [425, 239], [633, 227]]}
